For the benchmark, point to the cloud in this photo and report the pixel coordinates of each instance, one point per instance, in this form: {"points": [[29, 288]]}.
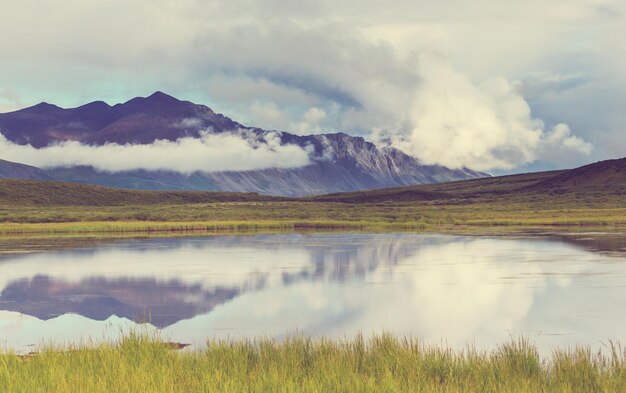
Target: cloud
{"points": [[457, 123], [419, 103], [311, 121], [559, 144], [543, 83], [9, 100], [362, 64], [270, 115], [240, 151], [189, 122]]}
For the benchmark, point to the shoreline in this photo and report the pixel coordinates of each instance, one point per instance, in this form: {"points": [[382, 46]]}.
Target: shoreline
{"points": [[210, 227]]}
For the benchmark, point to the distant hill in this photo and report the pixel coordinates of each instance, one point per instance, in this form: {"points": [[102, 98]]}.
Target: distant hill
{"points": [[53, 193], [603, 173], [20, 171], [339, 162], [604, 176]]}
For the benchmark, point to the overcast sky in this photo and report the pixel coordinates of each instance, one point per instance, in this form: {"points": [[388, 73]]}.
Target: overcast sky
{"points": [[496, 85]]}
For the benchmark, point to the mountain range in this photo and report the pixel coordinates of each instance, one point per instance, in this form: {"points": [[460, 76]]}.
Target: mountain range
{"points": [[594, 184], [339, 163]]}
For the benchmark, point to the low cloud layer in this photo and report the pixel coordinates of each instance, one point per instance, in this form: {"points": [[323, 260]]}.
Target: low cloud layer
{"points": [[210, 153]]}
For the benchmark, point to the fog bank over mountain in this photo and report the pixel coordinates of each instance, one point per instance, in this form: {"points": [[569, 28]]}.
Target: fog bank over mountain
{"points": [[236, 151]]}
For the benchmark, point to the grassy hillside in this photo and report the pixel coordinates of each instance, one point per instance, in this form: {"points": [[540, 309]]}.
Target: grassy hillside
{"points": [[609, 173], [15, 192], [601, 179], [500, 185], [594, 195]]}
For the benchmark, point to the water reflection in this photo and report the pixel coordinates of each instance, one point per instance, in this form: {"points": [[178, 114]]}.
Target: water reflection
{"points": [[438, 287]]}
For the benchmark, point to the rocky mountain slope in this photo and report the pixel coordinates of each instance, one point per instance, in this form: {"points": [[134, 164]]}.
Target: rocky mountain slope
{"points": [[339, 162]]}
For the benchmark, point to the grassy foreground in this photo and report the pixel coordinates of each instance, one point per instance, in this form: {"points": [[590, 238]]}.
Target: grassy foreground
{"points": [[138, 363]]}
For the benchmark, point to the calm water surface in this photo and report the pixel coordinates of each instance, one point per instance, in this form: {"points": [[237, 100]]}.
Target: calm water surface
{"points": [[459, 290]]}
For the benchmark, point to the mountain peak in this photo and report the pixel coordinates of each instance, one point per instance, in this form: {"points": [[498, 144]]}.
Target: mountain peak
{"points": [[160, 96], [156, 101], [43, 106], [95, 105]]}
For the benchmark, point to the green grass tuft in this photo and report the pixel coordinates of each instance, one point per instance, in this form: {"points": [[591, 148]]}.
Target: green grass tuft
{"points": [[384, 363]]}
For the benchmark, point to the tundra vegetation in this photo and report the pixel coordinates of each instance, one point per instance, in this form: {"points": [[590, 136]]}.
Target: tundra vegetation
{"points": [[530, 200], [146, 363]]}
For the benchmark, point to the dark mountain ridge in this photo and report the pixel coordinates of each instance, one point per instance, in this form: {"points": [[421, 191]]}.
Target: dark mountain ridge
{"points": [[602, 178], [339, 162], [140, 120], [608, 173]]}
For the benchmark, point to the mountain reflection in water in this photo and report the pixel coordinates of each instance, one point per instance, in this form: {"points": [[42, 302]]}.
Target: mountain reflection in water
{"points": [[438, 287]]}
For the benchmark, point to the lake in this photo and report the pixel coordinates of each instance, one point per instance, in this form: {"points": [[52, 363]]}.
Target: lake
{"points": [[557, 290]]}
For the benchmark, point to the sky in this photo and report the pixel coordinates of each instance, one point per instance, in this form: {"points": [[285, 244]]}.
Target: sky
{"points": [[494, 85]]}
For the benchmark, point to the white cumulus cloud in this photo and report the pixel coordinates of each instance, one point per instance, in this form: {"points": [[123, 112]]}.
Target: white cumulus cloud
{"points": [[485, 126], [238, 151], [310, 122]]}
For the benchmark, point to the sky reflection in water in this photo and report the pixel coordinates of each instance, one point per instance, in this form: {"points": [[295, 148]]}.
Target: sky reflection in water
{"points": [[441, 288]]}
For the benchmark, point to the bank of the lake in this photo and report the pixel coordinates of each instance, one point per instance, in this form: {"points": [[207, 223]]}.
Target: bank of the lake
{"points": [[243, 216]]}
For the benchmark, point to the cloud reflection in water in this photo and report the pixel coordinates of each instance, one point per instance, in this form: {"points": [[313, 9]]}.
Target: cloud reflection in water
{"points": [[440, 288]]}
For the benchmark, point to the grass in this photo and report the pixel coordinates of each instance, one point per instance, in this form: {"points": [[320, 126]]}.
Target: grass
{"points": [[233, 216], [164, 227], [141, 363], [28, 207]]}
